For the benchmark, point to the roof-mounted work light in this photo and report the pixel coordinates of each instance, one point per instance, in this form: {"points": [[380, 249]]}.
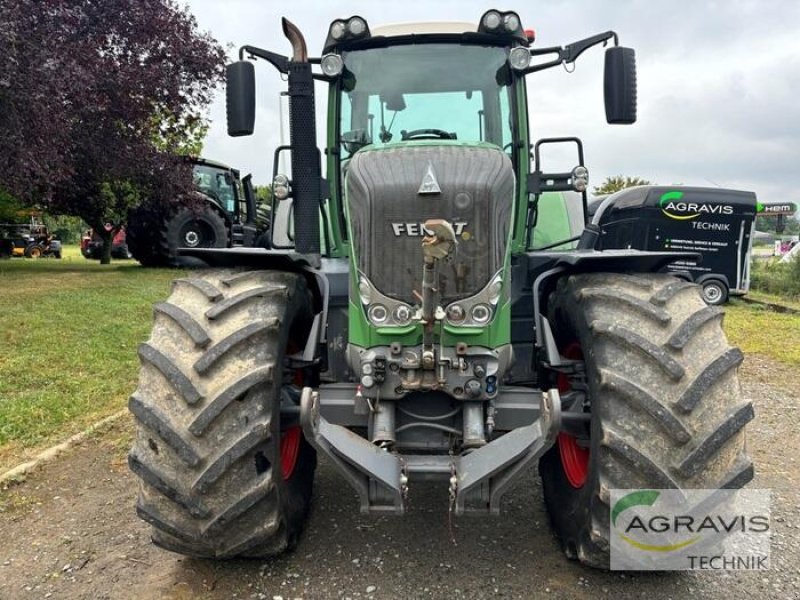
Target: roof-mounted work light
{"points": [[346, 30], [496, 22]]}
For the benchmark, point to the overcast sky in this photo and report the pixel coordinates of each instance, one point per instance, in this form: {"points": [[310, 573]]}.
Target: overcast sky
{"points": [[719, 82]]}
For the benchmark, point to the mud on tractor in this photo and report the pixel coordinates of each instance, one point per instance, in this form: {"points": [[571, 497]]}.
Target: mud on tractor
{"points": [[404, 326]]}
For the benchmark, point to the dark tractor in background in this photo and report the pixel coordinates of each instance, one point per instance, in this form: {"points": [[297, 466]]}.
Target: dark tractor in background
{"points": [[29, 240], [221, 212], [414, 319]]}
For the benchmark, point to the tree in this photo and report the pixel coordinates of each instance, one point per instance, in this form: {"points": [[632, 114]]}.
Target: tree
{"points": [[97, 97], [616, 183]]}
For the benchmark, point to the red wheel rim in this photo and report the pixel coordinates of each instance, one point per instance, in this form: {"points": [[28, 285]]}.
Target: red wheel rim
{"points": [[574, 458], [290, 450]]}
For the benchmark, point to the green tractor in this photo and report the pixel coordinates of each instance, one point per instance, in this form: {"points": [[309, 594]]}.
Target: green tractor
{"points": [[417, 319]]}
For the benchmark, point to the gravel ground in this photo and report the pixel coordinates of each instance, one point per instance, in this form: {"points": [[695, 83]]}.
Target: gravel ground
{"points": [[69, 531]]}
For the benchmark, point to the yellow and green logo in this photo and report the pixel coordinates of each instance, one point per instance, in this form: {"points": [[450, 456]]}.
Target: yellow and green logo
{"points": [[675, 207], [643, 498]]}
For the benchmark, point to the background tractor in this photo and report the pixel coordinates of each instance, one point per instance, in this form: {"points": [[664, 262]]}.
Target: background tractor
{"points": [[221, 212], [31, 240], [416, 319]]}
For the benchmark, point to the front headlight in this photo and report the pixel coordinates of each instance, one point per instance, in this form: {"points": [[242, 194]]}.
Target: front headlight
{"points": [[364, 290], [332, 65], [401, 315], [519, 58], [280, 187], [378, 314], [481, 313]]}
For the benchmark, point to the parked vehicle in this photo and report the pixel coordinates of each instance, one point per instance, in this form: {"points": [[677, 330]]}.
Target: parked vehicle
{"points": [[31, 240], [92, 245], [222, 212], [716, 223], [406, 327]]}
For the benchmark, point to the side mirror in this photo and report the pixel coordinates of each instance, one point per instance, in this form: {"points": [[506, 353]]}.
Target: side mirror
{"points": [[240, 98], [620, 85]]}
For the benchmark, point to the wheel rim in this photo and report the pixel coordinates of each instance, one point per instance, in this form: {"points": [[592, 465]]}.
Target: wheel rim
{"points": [[290, 450], [291, 437], [712, 293], [574, 458], [191, 238], [197, 234], [36, 253]]}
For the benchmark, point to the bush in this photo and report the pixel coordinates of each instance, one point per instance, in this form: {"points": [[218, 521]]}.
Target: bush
{"points": [[777, 278]]}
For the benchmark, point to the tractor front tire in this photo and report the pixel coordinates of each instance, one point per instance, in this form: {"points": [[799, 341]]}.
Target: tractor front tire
{"points": [[34, 251], [142, 236], [192, 227], [220, 476], [666, 408]]}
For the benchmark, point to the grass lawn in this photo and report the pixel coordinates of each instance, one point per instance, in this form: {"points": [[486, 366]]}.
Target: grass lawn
{"points": [[68, 330], [757, 330]]}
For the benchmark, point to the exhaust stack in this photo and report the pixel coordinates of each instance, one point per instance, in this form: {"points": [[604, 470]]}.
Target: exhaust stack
{"points": [[306, 169]]}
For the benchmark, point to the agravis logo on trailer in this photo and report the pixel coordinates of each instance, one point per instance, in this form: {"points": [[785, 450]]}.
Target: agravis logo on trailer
{"points": [[673, 206]]}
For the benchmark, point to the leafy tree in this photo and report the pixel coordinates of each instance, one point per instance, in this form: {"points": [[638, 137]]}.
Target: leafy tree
{"points": [[616, 183], [96, 99], [11, 210]]}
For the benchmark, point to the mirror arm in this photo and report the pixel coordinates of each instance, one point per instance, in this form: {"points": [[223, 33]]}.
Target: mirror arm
{"points": [[571, 52], [276, 60], [546, 65], [574, 50]]}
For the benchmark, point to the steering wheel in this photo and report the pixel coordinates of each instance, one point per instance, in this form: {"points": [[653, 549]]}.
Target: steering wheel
{"points": [[427, 134]]}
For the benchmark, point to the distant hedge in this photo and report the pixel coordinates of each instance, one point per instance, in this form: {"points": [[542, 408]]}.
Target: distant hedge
{"points": [[782, 279]]}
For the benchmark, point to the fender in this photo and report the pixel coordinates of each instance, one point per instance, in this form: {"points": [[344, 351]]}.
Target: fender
{"points": [[545, 268], [330, 280]]}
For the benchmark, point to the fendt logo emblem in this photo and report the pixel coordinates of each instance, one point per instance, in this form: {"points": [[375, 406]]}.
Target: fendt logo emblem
{"points": [[674, 207], [429, 184], [419, 229]]}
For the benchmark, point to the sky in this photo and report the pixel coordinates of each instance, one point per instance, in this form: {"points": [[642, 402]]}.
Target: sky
{"points": [[718, 83]]}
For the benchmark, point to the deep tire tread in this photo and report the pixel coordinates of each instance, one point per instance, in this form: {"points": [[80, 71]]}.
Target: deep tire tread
{"points": [[713, 372], [207, 448], [179, 380], [718, 437], [660, 357], [165, 487], [692, 326], [667, 410], [210, 291], [231, 393], [153, 418], [241, 447], [640, 397], [186, 321], [235, 301], [218, 350]]}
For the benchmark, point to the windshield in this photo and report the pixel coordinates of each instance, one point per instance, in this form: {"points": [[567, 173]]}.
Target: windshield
{"points": [[216, 183], [426, 91]]}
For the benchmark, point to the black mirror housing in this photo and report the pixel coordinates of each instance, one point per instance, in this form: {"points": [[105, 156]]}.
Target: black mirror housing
{"points": [[240, 98], [620, 85]]}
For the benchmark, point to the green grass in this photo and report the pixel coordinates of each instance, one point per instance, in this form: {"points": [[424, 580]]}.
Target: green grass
{"points": [[69, 330], [757, 330]]}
